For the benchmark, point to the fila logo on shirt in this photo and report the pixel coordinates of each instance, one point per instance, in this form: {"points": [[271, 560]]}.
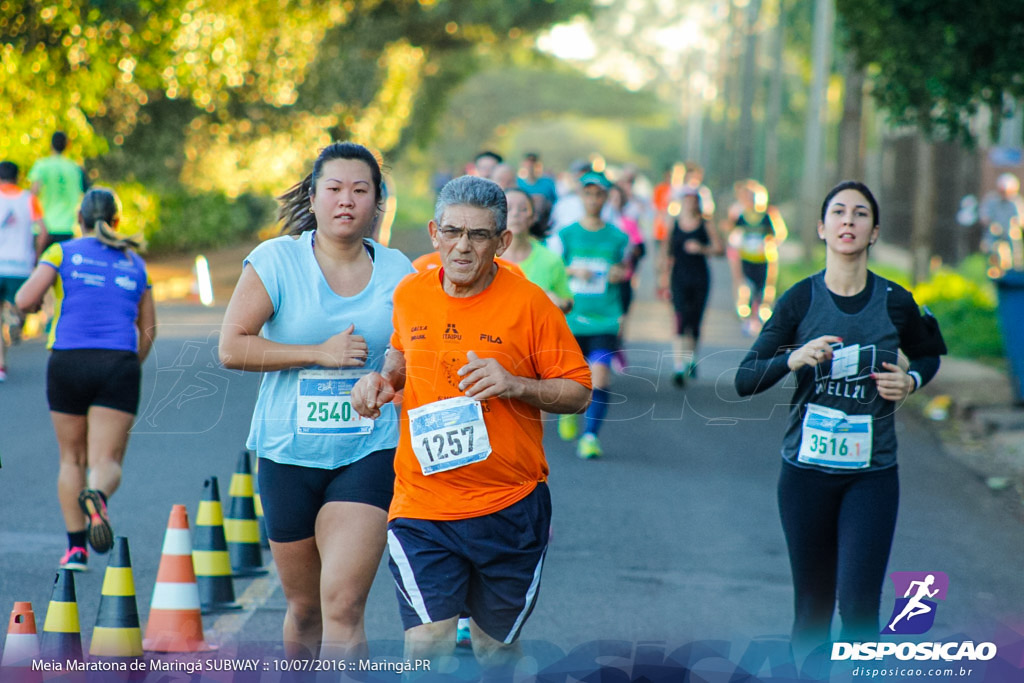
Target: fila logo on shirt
{"points": [[489, 339], [451, 333]]}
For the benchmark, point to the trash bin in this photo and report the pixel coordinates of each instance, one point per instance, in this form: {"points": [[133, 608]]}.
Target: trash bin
{"points": [[1011, 322]]}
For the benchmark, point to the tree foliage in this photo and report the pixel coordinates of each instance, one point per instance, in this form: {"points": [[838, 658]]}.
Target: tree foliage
{"points": [[934, 63], [234, 95], [496, 97]]}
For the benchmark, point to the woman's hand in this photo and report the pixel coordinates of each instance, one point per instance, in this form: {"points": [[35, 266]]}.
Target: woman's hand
{"points": [[813, 353], [345, 350], [894, 385]]}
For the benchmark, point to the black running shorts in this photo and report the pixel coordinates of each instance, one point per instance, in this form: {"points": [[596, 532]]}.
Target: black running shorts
{"points": [[292, 495], [77, 379]]}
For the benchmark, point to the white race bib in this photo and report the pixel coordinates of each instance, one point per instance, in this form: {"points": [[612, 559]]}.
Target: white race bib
{"points": [[834, 439], [324, 403], [597, 283], [448, 434]]}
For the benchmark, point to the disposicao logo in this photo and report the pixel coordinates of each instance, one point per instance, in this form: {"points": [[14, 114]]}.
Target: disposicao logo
{"points": [[914, 613]]}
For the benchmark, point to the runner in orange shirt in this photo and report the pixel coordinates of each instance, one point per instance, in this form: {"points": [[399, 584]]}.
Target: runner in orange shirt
{"points": [[479, 353]]}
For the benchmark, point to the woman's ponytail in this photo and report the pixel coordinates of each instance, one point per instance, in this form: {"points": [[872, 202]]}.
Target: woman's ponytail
{"points": [[100, 210], [295, 214]]}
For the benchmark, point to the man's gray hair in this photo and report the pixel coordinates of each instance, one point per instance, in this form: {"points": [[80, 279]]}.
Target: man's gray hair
{"points": [[470, 190]]}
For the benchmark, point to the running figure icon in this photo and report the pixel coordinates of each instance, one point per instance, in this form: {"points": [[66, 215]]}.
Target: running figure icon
{"points": [[915, 606]]}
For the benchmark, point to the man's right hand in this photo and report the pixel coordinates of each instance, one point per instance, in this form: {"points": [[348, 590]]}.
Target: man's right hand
{"points": [[370, 393]]}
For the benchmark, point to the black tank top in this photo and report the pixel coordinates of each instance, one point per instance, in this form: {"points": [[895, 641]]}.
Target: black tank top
{"points": [[686, 266]]}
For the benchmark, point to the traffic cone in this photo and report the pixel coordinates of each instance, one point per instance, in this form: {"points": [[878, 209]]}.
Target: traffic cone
{"points": [[175, 624], [62, 636], [258, 503], [210, 554], [240, 527], [22, 644], [117, 632]]}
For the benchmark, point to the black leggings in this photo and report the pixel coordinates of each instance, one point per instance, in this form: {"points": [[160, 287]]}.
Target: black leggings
{"points": [[839, 530]]}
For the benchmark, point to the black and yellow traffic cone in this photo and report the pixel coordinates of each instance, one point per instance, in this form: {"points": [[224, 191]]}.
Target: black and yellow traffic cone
{"points": [[62, 635], [210, 554], [240, 527], [117, 632], [258, 503]]}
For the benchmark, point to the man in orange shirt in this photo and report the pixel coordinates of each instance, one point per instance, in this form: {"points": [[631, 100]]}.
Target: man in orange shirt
{"points": [[479, 352]]}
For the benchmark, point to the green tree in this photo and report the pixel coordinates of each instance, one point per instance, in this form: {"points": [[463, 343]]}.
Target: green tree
{"points": [[933, 64], [231, 96]]}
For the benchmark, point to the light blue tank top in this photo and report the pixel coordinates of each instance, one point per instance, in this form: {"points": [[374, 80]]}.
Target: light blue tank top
{"points": [[307, 311]]}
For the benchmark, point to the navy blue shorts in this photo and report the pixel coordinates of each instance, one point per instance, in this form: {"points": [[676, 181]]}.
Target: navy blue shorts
{"points": [[487, 566], [292, 495], [598, 348]]}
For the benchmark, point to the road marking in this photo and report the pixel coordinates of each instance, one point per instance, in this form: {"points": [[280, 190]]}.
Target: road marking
{"points": [[254, 597]]}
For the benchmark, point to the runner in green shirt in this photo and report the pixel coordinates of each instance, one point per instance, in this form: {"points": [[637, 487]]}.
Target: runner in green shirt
{"points": [[59, 183], [542, 266]]}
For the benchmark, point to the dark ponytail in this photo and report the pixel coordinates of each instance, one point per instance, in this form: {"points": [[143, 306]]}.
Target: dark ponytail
{"points": [[295, 214], [99, 211]]}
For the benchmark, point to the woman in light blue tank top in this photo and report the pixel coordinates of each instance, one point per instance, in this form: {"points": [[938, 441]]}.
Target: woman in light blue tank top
{"points": [[312, 311]]}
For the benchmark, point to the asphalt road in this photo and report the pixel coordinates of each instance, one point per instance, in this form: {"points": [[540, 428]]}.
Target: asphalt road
{"points": [[673, 537]]}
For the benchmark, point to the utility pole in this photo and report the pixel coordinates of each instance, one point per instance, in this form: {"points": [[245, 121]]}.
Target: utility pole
{"points": [[812, 187]]}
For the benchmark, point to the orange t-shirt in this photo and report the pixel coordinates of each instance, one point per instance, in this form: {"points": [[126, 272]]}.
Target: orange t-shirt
{"points": [[35, 208], [513, 321], [432, 259], [660, 198]]}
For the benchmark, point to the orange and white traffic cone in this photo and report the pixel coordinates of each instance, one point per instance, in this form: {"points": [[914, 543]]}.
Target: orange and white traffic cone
{"points": [[240, 526], [117, 632], [210, 554], [175, 624], [62, 636], [22, 644]]}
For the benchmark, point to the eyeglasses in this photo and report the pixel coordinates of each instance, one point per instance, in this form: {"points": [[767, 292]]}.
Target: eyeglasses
{"points": [[455, 234]]}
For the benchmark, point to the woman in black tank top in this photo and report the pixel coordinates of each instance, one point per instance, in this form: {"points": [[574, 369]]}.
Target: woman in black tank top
{"points": [[685, 278], [847, 336]]}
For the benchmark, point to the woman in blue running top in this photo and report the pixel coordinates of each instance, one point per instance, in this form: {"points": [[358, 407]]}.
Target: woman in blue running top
{"points": [[312, 311], [843, 332], [104, 327]]}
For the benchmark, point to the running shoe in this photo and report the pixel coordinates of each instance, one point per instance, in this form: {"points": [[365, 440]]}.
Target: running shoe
{"points": [[691, 370], [679, 378], [568, 427], [462, 636], [101, 536], [3, 374], [75, 559], [589, 447]]}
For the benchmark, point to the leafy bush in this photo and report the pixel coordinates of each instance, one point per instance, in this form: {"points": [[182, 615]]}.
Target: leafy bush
{"points": [[201, 221], [966, 311]]}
